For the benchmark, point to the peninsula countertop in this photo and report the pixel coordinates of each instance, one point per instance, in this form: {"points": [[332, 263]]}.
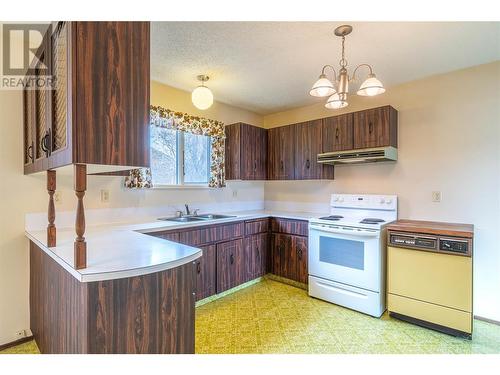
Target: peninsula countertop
{"points": [[122, 250]]}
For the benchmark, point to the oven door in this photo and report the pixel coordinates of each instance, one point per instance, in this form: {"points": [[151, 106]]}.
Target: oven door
{"points": [[346, 255]]}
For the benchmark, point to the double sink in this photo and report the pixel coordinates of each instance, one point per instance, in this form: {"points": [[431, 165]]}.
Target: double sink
{"points": [[190, 218]]}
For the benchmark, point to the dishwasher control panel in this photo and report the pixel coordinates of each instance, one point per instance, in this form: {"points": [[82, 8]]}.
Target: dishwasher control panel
{"points": [[437, 244]]}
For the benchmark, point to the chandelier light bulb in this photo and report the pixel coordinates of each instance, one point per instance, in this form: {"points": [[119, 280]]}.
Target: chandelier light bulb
{"points": [[371, 87], [322, 87], [336, 102]]}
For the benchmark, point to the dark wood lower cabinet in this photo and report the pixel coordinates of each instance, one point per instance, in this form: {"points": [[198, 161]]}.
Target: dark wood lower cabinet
{"points": [[256, 254], [206, 272], [152, 313], [300, 246], [289, 256], [230, 264]]}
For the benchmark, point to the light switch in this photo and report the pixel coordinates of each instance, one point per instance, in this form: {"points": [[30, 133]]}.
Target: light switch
{"points": [[104, 195], [436, 196], [57, 196]]}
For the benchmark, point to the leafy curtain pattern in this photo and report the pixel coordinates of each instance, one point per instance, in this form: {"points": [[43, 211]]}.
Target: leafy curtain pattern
{"points": [[166, 118]]}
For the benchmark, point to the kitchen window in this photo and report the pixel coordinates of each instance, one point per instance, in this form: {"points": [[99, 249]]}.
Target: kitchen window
{"points": [[179, 158]]}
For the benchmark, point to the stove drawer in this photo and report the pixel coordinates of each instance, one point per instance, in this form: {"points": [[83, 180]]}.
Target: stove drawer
{"points": [[363, 300]]}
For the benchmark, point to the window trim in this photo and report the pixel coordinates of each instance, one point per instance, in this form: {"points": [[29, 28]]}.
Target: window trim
{"points": [[180, 165]]}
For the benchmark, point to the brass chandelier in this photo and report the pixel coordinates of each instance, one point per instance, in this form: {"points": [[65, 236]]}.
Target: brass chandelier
{"points": [[337, 91]]}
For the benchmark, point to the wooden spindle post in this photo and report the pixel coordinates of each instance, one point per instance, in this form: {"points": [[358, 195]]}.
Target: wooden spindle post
{"points": [[51, 212], [80, 244]]}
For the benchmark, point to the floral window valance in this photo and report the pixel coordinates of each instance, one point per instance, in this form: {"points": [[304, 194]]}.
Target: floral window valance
{"points": [[162, 117]]}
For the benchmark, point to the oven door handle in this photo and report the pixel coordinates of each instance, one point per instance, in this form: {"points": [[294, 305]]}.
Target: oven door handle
{"points": [[348, 232]]}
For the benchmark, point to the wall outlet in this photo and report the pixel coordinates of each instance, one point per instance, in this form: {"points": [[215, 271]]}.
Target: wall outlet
{"points": [[436, 196], [104, 195], [58, 196]]}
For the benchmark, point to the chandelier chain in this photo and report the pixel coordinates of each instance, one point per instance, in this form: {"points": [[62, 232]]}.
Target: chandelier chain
{"points": [[343, 61]]}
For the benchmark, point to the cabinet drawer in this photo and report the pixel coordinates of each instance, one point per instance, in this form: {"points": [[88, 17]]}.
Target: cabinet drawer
{"points": [[290, 226], [167, 235], [211, 234], [256, 226]]}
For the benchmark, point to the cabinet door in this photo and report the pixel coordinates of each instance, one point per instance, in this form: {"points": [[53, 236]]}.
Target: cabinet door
{"points": [[248, 162], [260, 154], [284, 259], [255, 256], [230, 266], [307, 146], [375, 127], [29, 125], [205, 272], [281, 153], [42, 107], [61, 119], [300, 247], [338, 133], [112, 93], [232, 151]]}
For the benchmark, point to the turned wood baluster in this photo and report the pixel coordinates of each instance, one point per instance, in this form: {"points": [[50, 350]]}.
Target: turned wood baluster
{"points": [[80, 244], [51, 228]]}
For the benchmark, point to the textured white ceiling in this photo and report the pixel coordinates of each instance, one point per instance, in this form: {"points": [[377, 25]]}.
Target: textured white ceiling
{"points": [[269, 67]]}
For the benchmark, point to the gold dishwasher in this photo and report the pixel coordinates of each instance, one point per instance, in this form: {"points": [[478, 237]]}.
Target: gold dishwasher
{"points": [[429, 275]]}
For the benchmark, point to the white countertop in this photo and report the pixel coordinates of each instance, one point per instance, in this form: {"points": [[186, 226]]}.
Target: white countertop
{"points": [[124, 250]]}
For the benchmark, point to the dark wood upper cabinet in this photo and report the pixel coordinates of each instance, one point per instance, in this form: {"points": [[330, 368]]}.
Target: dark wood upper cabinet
{"points": [[98, 111], [308, 144], [245, 152], [281, 151], [376, 127], [338, 133]]}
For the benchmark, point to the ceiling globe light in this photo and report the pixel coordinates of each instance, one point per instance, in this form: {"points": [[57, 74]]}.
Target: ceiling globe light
{"points": [[322, 87], [371, 87], [338, 97], [201, 96], [336, 102]]}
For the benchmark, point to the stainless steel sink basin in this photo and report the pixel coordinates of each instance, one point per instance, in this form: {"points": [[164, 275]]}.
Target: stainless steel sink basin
{"points": [[213, 216], [182, 219], [187, 219]]}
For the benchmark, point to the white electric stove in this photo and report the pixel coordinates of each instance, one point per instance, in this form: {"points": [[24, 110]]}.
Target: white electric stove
{"points": [[347, 251]]}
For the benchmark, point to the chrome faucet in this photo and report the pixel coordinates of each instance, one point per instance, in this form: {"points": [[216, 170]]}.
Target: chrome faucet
{"points": [[187, 209]]}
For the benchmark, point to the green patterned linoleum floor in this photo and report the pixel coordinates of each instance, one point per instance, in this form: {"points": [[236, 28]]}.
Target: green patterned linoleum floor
{"points": [[271, 317]]}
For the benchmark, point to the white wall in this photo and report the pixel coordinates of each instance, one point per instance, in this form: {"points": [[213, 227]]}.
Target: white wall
{"points": [[449, 140]]}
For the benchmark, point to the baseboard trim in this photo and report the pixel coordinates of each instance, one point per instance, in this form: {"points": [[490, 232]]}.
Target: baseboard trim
{"points": [[15, 342], [487, 320]]}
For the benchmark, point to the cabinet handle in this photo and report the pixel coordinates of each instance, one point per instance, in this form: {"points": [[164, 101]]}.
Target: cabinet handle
{"points": [[198, 267], [281, 165], [308, 164], [337, 133], [46, 144], [299, 253], [30, 151], [370, 127], [255, 165], [231, 259]]}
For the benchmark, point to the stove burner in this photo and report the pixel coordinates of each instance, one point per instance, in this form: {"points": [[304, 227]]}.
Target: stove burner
{"points": [[332, 217], [371, 220]]}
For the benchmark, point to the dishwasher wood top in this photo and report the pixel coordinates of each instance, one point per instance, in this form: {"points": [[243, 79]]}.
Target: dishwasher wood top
{"points": [[433, 227]]}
